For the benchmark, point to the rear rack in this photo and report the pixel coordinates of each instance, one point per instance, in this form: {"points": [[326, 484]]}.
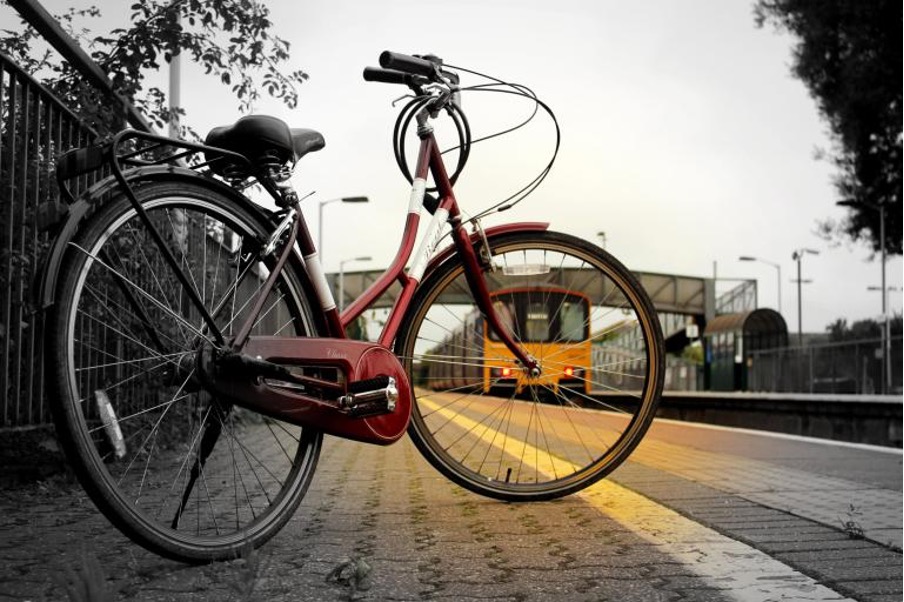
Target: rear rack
{"points": [[132, 149]]}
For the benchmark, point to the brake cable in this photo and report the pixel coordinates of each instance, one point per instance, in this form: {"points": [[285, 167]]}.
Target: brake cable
{"points": [[463, 131], [403, 122]]}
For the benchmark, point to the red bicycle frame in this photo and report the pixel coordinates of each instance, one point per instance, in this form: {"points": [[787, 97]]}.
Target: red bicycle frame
{"points": [[281, 387], [429, 160]]}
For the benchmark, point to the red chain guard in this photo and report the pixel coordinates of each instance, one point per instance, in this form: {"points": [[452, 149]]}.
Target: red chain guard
{"points": [[357, 360]]}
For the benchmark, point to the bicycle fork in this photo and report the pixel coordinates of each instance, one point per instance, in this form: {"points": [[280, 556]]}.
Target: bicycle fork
{"points": [[430, 158], [477, 284]]}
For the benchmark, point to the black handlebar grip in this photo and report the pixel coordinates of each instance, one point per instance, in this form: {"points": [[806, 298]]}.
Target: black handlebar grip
{"points": [[407, 63], [387, 76]]}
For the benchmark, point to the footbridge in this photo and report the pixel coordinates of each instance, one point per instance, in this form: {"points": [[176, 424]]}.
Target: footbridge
{"points": [[679, 300]]}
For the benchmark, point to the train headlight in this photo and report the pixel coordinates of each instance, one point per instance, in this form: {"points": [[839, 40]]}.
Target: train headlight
{"points": [[572, 372]]}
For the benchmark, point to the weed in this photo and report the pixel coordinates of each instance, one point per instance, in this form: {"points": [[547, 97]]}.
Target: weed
{"points": [[250, 567], [852, 525], [353, 573]]}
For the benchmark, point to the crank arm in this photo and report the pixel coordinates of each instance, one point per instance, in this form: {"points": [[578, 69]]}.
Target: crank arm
{"points": [[276, 375]]}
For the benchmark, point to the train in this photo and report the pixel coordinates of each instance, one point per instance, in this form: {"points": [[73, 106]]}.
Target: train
{"points": [[552, 323]]}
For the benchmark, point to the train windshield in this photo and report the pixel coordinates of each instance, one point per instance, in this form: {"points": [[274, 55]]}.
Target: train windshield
{"points": [[542, 316]]}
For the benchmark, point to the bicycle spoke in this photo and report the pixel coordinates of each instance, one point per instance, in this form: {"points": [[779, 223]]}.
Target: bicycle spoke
{"points": [[182, 473], [497, 429]]}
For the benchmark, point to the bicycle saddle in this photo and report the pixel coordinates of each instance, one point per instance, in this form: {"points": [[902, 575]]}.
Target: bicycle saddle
{"points": [[262, 138]]}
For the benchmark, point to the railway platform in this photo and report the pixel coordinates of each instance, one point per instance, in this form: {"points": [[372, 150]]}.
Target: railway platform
{"points": [[698, 513]]}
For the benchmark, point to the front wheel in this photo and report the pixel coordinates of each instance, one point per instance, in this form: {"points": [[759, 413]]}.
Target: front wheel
{"points": [[486, 423]]}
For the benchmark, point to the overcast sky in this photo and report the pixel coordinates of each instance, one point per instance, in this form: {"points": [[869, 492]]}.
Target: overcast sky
{"points": [[684, 136]]}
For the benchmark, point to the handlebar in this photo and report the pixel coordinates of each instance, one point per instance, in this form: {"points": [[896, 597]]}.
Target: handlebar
{"points": [[388, 76], [409, 64], [435, 89], [412, 70]]}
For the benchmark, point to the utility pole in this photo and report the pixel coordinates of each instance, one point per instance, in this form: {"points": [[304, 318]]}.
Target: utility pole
{"points": [[797, 256]]}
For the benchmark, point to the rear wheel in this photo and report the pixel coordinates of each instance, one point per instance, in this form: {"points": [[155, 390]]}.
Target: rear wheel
{"points": [[488, 425], [178, 470]]}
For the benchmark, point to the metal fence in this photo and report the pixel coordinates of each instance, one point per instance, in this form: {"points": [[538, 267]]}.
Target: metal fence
{"points": [[35, 128], [846, 367]]}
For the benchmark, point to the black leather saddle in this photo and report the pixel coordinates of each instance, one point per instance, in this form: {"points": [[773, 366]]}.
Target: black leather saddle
{"points": [[262, 139]]}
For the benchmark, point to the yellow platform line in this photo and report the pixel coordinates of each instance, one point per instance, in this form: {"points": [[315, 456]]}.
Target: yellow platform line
{"points": [[739, 571]]}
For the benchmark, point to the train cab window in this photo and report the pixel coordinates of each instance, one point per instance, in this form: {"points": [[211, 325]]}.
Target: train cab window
{"points": [[537, 321], [573, 318], [543, 316]]}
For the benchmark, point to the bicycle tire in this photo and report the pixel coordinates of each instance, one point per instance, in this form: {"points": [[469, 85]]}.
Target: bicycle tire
{"points": [[121, 339], [520, 438]]}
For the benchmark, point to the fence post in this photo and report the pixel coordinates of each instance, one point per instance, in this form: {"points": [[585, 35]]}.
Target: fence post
{"points": [[35, 127]]}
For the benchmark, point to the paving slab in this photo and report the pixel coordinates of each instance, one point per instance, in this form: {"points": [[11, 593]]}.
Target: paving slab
{"points": [[381, 524]]}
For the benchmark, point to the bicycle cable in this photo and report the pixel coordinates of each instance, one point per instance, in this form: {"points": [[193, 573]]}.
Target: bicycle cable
{"points": [[463, 130], [404, 121]]}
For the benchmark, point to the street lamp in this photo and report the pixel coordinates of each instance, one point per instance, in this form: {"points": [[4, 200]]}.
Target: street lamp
{"points": [[344, 199], [602, 237], [886, 338], [796, 256], [342, 277], [778, 269]]}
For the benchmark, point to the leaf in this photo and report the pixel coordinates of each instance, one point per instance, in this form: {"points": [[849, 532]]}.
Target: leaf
{"points": [[233, 40]]}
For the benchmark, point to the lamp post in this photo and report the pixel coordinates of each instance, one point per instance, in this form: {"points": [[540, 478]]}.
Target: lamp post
{"points": [[886, 336], [886, 342], [342, 277], [778, 270], [344, 199], [797, 256], [602, 237]]}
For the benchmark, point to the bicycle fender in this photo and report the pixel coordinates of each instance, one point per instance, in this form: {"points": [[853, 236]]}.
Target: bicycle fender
{"points": [[45, 282], [449, 250]]}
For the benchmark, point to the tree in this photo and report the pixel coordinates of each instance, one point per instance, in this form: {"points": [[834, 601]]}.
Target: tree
{"points": [[231, 39], [862, 330], [847, 55]]}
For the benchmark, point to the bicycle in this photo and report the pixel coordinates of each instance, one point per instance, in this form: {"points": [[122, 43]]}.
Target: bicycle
{"points": [[196, 356]]}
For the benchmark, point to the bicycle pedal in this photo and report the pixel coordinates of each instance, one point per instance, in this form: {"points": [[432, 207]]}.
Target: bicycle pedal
{"points": [[370, 384], [370, 397], [366, 410]]}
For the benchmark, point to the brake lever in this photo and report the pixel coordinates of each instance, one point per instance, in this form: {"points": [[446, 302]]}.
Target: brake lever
{"points": [[401, 98]]}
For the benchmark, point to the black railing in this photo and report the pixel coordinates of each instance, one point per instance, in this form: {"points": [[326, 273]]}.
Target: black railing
{"points": [[35, 128], [853, 367]]}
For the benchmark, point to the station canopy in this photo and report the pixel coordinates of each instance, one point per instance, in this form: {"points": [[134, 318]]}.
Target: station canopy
{"points": [[762, 328]]}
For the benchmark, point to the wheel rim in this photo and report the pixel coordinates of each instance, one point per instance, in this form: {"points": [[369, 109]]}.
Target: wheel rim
{"points": [[497, 430], [257, 467]]}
